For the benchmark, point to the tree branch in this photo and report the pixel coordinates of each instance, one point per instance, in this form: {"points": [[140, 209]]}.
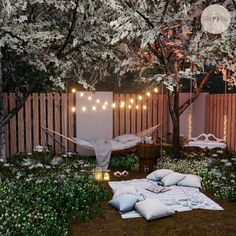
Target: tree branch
{"points": [[70, 30], [20, 104], [186, 104]]}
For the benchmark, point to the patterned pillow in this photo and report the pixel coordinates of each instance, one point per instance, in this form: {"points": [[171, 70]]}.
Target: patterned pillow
{"points": [[153, 208], [159, 174], [191, 181], [172, 179], [125, 202], [124, 190]]}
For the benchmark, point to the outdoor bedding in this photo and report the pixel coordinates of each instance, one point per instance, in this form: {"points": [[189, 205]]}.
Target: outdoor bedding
{"points": [[179, 198]]}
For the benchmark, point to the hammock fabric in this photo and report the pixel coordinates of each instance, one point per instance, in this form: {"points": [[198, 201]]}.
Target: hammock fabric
{"points": [[115, 145]]}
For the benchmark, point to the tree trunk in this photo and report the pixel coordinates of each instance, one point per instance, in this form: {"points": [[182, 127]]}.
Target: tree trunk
{"points": [[2, 128], [176, 128]]}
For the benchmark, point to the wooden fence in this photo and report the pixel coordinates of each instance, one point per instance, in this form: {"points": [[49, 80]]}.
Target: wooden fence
{"points": [[53, 110], [221, 118], [50, 110]]}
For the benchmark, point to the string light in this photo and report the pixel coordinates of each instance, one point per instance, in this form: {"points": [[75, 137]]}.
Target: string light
{"points": [[81, 94], [129, 106], [156, 90], [140, 97], [122, 104], [94, 108], [225, 127], [97, 101], [113, 105], [106, 103], [89, 98], [144, 107], [73, 90], [73, 109], [104, 107], [190, 126], [137, 107], [148, 94], [83, 109], [131, 101]]}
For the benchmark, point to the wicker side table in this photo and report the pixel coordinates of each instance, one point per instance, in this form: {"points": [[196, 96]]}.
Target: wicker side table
{"points": [[148, 155]]}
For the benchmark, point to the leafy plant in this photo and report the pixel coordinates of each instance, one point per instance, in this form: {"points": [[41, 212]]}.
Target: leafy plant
{"points": [[44, 199]]}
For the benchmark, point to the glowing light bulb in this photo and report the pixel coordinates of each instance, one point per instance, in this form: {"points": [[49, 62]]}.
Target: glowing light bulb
{"points": [[94, 108], [156, 90], [73, 90], [144, 107], [89, 98], [140, 97], [83, 109], [113, 105], [104, 107], [122, 104], [148, 94], [81, 94], [106, 103], [131, 101], [73, 109], [129, 106], [97, 101], [137, 107]]}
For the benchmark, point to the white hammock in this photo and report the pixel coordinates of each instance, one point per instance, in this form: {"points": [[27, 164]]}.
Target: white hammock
{"points": [[120, 143]]}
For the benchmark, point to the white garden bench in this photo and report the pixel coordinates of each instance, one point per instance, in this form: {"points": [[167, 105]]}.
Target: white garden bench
{"points": [[206, 141]]}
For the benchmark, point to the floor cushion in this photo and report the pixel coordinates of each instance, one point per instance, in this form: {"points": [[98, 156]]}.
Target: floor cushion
{"points": [[153, 208], [159, 174]]}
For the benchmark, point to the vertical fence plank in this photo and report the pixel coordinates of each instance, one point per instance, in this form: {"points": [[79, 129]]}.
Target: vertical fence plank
{"points": [[28, 125], [64, 128], [149, 111], [122, 113], [133, 117], [221, 104], [160, 116], [229, 120], [116, 116], [233, 141], [5, 110], [21, 131], [57, 120], [35, 119], [50, 118], [166, 123], [127, 117], [71, 123], [155, 121], [43, 118], [144, 113], [13, 142], [139, 113]]}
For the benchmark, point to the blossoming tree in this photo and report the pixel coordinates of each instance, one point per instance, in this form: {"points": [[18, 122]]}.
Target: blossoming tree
{"points": [[167, 37], [58, 38]]}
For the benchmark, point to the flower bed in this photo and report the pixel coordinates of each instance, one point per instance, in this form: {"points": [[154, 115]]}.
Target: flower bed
{"points": [[217, 170], [44, 197]]}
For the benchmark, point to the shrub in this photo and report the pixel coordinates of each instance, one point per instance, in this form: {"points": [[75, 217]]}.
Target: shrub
{"points": [[44, 199]]}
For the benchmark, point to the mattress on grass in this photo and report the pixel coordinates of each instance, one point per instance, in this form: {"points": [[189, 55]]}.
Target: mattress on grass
{"points": [[179, 198]]}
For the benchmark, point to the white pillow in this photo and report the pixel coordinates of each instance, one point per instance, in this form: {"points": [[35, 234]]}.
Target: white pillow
{"points": [[191, 181], [153, 208], [126, 138], [159, 174], [172, 179], [124, 190]]}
